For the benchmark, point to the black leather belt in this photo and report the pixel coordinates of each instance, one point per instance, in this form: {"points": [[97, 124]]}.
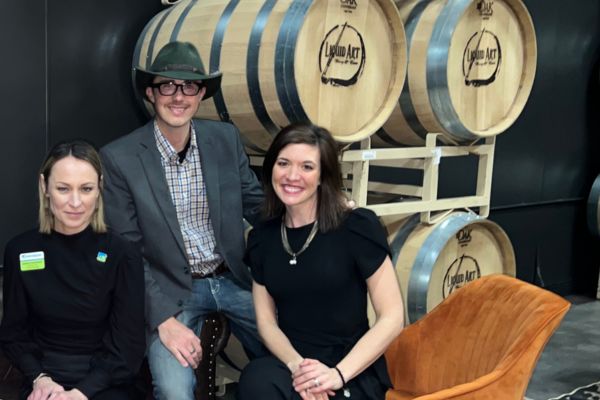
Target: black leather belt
{"points": [[221, 269]]}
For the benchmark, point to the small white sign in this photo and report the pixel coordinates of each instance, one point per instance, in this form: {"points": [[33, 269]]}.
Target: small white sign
{"points": [[437, 155], [369, 155]]}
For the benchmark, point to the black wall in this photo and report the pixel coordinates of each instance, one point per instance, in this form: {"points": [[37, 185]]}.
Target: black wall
{"points": [[90, 47], [545, 164], [22, 111], [65, 73]]}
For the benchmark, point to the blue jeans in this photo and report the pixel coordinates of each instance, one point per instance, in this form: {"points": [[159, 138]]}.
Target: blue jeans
{"points": [[172, 381]]}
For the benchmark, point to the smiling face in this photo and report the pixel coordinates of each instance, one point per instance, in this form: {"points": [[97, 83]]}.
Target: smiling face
{"points": [[72, 189], [175, 111], [296, 177]]}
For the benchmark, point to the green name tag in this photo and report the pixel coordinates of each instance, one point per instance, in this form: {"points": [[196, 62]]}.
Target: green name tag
{"points": [[32, 261]]}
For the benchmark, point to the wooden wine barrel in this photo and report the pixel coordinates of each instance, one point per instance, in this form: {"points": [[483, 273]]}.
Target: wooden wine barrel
{"points": [[340, 64], [593, 208], [471, 66], [434, 260]]}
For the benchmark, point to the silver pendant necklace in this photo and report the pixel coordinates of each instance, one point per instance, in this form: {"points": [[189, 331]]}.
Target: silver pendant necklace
{"points": [[286, 244]]}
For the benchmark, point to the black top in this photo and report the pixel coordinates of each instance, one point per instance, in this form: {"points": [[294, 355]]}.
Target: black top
{"points": [[83, 296], [322, 300]]}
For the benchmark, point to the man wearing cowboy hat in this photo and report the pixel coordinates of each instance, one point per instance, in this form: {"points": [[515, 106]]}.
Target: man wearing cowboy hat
{"points": [[180, 188]]}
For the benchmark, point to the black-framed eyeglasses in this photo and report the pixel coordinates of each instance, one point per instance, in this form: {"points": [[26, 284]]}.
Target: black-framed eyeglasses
{"points": [[169, 88]]}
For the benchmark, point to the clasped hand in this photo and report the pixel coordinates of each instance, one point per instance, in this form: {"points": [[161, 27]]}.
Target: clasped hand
{"points": [[314, 380], [46, 389], [181, 341]]}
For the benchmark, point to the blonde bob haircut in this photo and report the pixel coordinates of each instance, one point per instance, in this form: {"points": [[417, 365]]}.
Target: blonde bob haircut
{"points": [[81, 150]]}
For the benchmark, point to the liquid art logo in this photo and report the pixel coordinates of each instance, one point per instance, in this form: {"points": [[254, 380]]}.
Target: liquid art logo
{"points": [[482, 58], [342, 56], [462, 271]]}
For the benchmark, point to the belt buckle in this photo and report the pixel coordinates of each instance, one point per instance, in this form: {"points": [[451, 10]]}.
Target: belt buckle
{"points": [[221, 268]]}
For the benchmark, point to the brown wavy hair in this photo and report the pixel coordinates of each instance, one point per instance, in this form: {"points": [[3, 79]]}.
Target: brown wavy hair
{"points": [[331, 205]]}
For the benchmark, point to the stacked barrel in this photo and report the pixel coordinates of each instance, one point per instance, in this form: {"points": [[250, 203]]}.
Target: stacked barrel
{"points": [[471, 68], [340, 64], [387, 71]]}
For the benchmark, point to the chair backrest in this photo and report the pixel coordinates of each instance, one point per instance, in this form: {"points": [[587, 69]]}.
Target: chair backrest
{"points": [[485, 326]]}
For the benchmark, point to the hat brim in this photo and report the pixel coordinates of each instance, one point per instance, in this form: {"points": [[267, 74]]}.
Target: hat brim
{"points": [[212, 82]]}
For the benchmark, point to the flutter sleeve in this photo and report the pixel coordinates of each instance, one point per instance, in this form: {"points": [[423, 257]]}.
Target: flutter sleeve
{"points": [[367, 241], [16, 330], [123, 344]]}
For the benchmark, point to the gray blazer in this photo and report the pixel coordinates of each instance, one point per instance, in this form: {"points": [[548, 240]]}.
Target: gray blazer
{"points": [[139, 206]]}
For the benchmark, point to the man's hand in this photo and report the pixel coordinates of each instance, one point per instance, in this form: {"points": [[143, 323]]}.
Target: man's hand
{"points": [[72, 394], [43, 388], [181, 342]]}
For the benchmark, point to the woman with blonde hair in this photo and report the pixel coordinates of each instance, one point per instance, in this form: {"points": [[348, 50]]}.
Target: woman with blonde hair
{"points": [[73, 291]]}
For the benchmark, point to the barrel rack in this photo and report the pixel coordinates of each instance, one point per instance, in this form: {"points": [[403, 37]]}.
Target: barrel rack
{"points": [[422, 199]]}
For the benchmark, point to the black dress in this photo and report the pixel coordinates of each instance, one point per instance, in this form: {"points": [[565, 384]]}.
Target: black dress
{"points": [[321, 301], [74, 309]]}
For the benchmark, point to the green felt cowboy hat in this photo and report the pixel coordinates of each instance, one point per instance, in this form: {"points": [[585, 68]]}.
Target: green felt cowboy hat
{"points": [[178, 60]]}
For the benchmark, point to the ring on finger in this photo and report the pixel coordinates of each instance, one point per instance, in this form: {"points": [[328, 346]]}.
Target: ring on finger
{"points": [[316, 381], [192, 350]]}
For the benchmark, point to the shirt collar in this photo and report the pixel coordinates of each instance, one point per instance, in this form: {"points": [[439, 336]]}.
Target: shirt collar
{"points": [[166, 150]]}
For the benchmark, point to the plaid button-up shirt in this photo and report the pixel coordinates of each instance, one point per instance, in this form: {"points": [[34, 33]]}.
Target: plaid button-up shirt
{"points": [[188, 192]]}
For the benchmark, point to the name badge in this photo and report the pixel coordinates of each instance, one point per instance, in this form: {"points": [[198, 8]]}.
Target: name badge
{"points": [[32, 261]]}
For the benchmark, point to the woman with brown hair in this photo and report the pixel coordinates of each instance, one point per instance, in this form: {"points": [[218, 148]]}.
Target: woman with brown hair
{"points": [[73, 291], [313, 263]]}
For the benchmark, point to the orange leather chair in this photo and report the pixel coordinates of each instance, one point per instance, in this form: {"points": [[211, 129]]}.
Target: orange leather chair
{"points": [[482, 342]]}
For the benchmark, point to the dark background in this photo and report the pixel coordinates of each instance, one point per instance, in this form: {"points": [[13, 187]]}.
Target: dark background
{"points": [[65, 72]]}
